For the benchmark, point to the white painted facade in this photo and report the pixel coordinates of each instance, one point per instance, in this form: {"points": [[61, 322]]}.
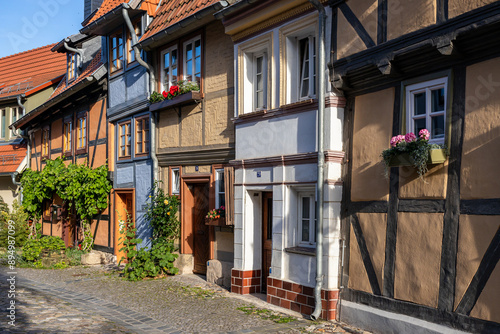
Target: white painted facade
{"points": [[283, 135]]}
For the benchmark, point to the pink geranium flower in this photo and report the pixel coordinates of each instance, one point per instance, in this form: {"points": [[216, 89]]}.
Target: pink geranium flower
{"points": [[410, 136], [397, 139], [424, 134]]}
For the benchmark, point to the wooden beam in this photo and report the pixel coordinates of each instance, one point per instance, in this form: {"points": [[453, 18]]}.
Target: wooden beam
{"points": [[365, 255], [441, 11], [483, 273], [421, 205], [451, 219], [356, 24], [392, 212], [489, 206], [382, 21]]}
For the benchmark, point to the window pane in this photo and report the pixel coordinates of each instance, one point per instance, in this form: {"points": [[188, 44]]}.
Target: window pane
{"points": [[222, 200], [305, 207], [189, 69], [437, 97], [175, 181], [189, 51], [197, 48], [166, 60], [221, 182], [260, 99], [419, 107], [305, 88], [419, 125], [437, 127], [305, 230]]}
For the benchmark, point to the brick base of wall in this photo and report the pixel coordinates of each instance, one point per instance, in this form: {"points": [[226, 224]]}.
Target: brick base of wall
{"points": [[295, 297], [245, 281], [300, 298]]}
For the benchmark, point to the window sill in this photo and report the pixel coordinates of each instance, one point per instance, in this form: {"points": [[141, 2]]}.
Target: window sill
{"points": [[436, 156], [180, 100], [215, 222], [301, 250]]}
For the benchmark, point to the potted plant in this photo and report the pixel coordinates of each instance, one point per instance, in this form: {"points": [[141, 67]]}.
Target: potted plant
{"points": [[181, 88], [216, 217], [408, 150]]}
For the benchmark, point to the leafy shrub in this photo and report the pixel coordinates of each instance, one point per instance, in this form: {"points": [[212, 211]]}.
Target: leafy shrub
{"points": [[74, 256], [20, 223], [162, 215], [33, 247]]}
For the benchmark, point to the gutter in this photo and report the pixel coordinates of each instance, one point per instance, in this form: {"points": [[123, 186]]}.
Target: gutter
{"points": [[321, 159], [233, 8], [80, 52], [152, 83], [205, 12]]}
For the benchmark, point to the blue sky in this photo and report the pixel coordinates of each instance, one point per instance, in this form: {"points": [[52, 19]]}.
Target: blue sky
{"points": [[28, 24]]}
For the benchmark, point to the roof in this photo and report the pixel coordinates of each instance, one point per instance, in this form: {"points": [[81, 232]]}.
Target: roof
{"points": [[94, 71], [106, 6], [11, 157], [22, 72], [89, 70], [173, 11]]}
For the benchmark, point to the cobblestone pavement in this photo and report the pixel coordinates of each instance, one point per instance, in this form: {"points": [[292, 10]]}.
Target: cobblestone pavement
{"points": [[97, 300]]}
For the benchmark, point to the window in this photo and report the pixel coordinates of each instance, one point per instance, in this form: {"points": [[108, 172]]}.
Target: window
{"points": [[71, 75], [142, 135], [81, 133], [17, 113], [426, 108], [220, 195], [116, 51], [259, 84], [3, 120], [131, 53], [307, 220], [45, 141], [169, 68], [192, 60], [67, 136], [175, 181], [124, 139], [307, 68]]}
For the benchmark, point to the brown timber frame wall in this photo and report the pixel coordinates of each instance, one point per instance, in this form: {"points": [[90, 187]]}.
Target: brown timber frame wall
{"points": [[95, 155], [457, 210]]}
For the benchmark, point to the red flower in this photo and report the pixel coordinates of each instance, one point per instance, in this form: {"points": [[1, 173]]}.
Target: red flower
{"points": [[174, 90], [165, 94]]}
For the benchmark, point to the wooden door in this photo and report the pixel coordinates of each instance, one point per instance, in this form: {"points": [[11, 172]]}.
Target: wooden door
{"points": [[124, 203], [201, 242], [267, 236]]}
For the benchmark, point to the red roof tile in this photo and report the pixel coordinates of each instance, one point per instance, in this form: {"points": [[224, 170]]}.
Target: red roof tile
{"points": [[173, 11], [11, 157], [24, 71], [89, 70], [107, 6]]}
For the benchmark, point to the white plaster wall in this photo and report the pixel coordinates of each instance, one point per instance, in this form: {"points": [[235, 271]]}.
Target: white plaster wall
{"points": [[288, 134]]}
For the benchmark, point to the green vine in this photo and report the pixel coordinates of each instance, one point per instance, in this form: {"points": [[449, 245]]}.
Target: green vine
{"points": [[162, 215], [77, 185]]}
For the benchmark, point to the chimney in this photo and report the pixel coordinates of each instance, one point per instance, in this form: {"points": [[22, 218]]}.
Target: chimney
{"points": [[90, 6]]}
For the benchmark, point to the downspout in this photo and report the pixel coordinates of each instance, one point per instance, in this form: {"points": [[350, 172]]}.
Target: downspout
{"points": [[80, 52], [152, 83], [321, 159], [28, 148]]}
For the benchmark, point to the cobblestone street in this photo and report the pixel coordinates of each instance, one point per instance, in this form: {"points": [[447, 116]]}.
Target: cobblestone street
{"points": [[96, 300]]}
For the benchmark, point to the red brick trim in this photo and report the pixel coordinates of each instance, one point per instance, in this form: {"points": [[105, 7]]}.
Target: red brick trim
{"points": [[244, 282], [300, 298]]}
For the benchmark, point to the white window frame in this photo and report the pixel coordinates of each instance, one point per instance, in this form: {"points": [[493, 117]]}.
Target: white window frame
{"points": [[312, 66], [176, 188], [255, 106], [170, 80], [312, 219], [3, 129], [219, 176], [427, 87], [192, 41]]}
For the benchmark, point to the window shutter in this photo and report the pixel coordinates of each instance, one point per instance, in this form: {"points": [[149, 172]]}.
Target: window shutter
{"points": [[229, 194]]}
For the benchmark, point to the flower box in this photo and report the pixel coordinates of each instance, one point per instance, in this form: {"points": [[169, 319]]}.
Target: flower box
{"points": [[436, 156], [215, 222], [180, 100]]}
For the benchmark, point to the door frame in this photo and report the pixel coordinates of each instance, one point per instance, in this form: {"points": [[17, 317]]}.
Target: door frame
{"points": [[186, 246], [265, 195]]}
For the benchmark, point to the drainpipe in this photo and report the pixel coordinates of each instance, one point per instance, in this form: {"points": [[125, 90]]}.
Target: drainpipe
{"points": [[80, 52], [321, 159], [152, 83]]}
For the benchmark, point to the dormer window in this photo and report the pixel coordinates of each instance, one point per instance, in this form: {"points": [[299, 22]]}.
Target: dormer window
{"points": [[72, 65], [116, 51]]}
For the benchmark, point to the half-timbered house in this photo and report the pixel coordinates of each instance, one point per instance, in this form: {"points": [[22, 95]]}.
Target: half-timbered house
{"points": [[427, 249]]}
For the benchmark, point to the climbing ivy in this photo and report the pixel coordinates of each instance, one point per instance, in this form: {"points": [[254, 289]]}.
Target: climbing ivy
{"points": [[78, 185]]}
